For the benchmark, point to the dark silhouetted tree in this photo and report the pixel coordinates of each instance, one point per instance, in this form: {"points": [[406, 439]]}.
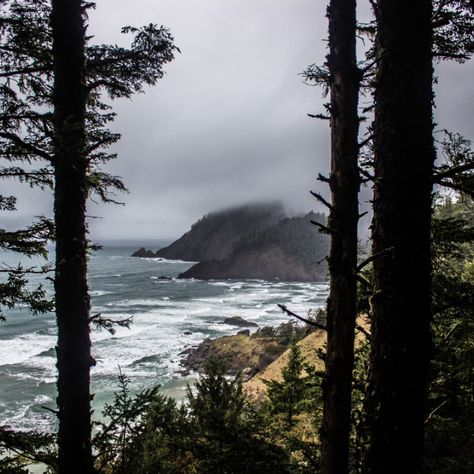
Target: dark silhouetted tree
{"points": [[74, 357], [343, 80], [53, 113], [404, 157]]}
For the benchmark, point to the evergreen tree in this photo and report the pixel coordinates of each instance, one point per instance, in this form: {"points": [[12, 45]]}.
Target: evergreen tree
{"points": [[53, 113], [450, 416], [287, 396], [74, 357], [344, 181], [404, 156]]}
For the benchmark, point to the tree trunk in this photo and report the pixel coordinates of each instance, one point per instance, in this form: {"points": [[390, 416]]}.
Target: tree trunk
{"points": [[343, 220], [404, 155], [72, 298]]}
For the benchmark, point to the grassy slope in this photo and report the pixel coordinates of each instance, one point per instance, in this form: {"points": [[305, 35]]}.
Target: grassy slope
{"points": [[256, 388]]}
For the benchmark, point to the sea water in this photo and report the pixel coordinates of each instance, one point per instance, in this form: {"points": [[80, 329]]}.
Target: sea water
{"points": [[168, 314]]}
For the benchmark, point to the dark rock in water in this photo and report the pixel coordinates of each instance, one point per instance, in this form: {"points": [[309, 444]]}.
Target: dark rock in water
{"points": [[164, 278], [142, 252], [196, 355], [238, 321], [187, 333], [244, 332]]}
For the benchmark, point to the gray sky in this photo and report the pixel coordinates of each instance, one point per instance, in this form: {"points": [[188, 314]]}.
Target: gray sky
{"points": [[227, 124]]}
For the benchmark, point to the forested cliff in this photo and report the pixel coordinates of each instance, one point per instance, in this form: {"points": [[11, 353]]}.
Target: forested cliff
{"points": [[252, 241]]}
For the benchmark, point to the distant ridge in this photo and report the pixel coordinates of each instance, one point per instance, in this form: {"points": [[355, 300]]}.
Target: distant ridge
{"points": [[254, 241]]}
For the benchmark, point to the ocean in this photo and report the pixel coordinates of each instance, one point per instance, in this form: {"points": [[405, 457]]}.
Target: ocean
{"points": [[169, 315]]}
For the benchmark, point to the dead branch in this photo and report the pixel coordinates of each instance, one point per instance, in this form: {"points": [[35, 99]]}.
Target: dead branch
{"points": [[305, 320], [322, 200]]}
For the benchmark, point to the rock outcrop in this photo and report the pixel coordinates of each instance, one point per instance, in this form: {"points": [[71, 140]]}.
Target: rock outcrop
{"points": [[143, 253], [240, 353], [291, 250], [239, 321], [246, 353]]}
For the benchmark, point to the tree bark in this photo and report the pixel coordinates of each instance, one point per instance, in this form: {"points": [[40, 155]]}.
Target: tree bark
{"points": [[72, 299], [404, 156], [343, 220]]}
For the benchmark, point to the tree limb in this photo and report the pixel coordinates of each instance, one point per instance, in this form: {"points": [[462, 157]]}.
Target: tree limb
{"points": [[322, 201], [307, 321]]}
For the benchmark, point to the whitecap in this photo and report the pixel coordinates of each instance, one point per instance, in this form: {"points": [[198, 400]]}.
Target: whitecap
{"points": [[20, 349]]}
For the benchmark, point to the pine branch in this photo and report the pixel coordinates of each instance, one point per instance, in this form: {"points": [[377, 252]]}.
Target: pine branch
{"points": [[27, 146], [457, 187], [108, 323], [451, 172]]}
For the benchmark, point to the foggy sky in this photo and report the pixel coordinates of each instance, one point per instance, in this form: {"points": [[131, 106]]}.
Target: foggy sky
{"points": [[228, 123]]}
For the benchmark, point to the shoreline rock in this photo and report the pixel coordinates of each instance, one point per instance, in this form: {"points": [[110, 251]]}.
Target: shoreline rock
{"points": [[246, 353], [142, 252], [239, 321]]}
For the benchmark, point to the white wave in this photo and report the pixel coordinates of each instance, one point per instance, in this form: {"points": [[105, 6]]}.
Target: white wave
{"points": [[20, 349], [165, 260], [42, 399], [219, 283], [132, 303], [149, 351], [100, 293]]}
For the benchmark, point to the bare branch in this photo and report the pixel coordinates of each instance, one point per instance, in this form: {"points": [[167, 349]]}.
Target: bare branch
{"points": [[434, 411], [323, 228], [373, 257], [322, 200], [323, 178], [319, 116], [307, 321]]}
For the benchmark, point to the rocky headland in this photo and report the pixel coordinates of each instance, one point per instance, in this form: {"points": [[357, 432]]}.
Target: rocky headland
{"points": [[246, 353], [254, 241]]}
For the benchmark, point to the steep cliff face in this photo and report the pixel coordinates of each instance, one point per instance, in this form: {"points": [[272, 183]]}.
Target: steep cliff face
{"points": [[213, 237], [291, 250], [253, 241]]}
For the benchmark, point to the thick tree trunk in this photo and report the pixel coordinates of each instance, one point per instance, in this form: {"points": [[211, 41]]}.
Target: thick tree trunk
{"points": [[343, 220], [404, 155], [72, 299]]}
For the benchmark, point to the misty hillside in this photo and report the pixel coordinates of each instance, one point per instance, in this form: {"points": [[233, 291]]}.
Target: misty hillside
{"points": [[291, 250], [214, 235]]}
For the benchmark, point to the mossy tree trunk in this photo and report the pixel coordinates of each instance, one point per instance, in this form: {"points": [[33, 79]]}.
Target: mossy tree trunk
{"points": [[404, 155], [343, 220], [72, 298]]}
